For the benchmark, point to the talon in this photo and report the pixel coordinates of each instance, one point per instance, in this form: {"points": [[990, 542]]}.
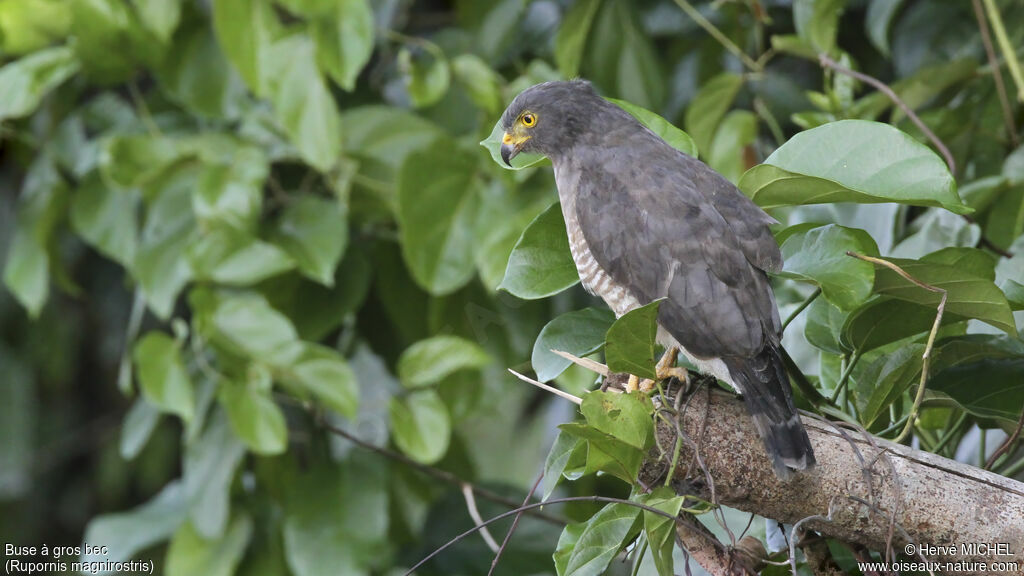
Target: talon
{"points": [[666, 367], [646, 385], [632, 384]]}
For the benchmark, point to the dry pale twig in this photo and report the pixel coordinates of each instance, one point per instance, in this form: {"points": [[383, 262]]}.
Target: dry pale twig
{"points": [[474, 513], [574, 399], [592, 365]]}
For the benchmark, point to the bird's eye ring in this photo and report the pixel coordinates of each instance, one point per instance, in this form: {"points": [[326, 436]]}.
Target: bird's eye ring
{"points": [[529, 119]]}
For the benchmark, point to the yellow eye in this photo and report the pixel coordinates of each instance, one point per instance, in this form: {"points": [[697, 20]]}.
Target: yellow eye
{"points": [[529, 119]]}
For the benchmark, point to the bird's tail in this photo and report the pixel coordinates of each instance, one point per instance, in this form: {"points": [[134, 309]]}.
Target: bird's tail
{"points": [[765, 388]]}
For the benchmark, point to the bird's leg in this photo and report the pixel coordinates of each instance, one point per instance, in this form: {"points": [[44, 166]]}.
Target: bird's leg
{"points": [[666, 367]]}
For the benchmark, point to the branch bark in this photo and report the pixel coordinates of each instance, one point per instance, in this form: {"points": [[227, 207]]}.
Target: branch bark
{"points": [[878, 494]]}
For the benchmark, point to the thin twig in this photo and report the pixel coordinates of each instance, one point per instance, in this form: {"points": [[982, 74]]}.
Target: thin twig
{"points": [[592, 365], [882, 87], [990, 52], [1005, 446], [926, 356], [844, 378], [574, 399], [515, 524], [719, 36], [1006, 46], [474, 513], [436, 473], [529, 507], [803, 305]]}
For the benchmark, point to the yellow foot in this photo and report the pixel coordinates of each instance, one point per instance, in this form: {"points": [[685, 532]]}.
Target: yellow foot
{"points": [[666, 367], [633, 384]]}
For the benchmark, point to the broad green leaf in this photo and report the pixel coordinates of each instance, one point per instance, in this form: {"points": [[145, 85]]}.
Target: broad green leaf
{"points": [[853, 161], [437, 205], [663, 128], [737, 131], [968, 296], [105, 218], [31, 25], [1004, 222], [823, 327], [209, 469], [817, 22], [624, 416], [606, 453], [344, 40], [661, 531], [131, 160], [493, 145], [981, 193], [427, 76], [24, 82], [605, 534], [137, 428], [160, 17], [566, 544], [879, 16], [432, 360], [579, 333], [302, 101], [887, 320], [420, 426], [385, 134], [246, 29], [254, 327], [196, 74], [705, 112], [571, 38], [541, 263], [888, 378], [162, 375], [336, 517], [190, 553], [327, 376], [1010, 276], [630, 343], [973, 261], [481, 83], [989, 388], [314, 231], [638, 77], [232, 193], [125, 533], [565, 444], [104, 39], [27, 271], [255, 418], [973, 348], [819, 256], [234, 258]]}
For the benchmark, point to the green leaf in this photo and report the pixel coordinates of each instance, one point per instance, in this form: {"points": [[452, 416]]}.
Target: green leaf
{"points": [[606, 453], [624, 416], [31, 25], [24, 82], [427, 76], [705, 112], [27, 271], [493, 145], [105, 218], [162, 375], [1004, 222], [105, 33], [877, 21], [232, 193], [125, 533], [210, 464], [481, 83], [852, 161], [255, 418], [988, 389], [541, 263], [605, 534], [234, 258], [824, 326], [973, 261], [324, 373], [565, 444], [189, 553], [566, 544], [432, 360], [817, 22], [571, 38], [819, 256], [968, 296], [437, 206], [888, 320], [196, 74], [888, 378], [302, 102], [137, 428], [245, 29], [661, 531], [344, 40], [314, 231], [737, 131], [160, 17], [579, 333], [248, 322], [420, 426], [134, 160], [675, 137], [973, 348], [630, 343]]}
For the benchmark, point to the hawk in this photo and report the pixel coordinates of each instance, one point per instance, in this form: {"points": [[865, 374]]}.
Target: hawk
{"points": [[646, 221]]}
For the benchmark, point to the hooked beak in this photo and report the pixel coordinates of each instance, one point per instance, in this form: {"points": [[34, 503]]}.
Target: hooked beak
{"points": [[511, 144]]}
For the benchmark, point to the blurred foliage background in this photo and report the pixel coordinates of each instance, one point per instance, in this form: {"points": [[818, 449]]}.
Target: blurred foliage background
{"points": [[228, 225]]}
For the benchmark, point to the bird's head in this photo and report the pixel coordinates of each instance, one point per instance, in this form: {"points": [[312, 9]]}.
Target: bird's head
{"points": [[548, 118]]}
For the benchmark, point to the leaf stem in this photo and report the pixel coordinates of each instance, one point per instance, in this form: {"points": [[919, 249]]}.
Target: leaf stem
{"points": [[803, 305], [997, 75], [1007, 48], [718, 35], [845, 376]]}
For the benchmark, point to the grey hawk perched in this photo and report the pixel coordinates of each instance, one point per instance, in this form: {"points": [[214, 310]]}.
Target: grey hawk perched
{"points": [[646, 221]]}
